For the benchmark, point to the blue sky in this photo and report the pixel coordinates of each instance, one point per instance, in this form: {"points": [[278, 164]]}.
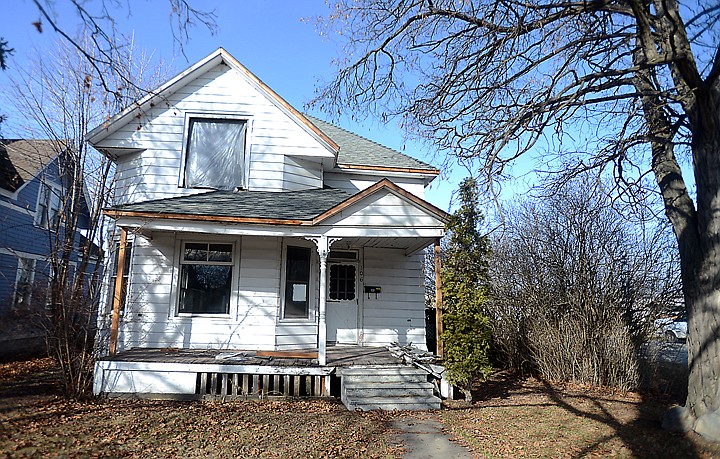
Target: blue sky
{"points": [[269, 37]]}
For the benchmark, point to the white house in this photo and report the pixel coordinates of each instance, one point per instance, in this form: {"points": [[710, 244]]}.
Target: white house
{"points": [[247, 225]]}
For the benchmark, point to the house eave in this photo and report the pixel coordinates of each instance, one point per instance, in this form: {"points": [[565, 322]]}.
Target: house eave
{"points": [[425, 172], [118, 214]]}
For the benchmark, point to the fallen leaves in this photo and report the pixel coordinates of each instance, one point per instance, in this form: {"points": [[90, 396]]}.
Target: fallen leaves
{"points": [[47, 425]]}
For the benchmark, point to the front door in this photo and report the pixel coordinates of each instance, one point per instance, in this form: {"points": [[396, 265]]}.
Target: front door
{"points": [[343, 300]]}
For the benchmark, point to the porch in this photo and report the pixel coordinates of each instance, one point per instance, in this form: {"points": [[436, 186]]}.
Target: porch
{"points": [[363, 377]]}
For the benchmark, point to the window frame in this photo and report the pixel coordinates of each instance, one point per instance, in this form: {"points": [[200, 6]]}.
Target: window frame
{"points": [[44, 201], [32, 270], [342, 258], [126, 280], [312, 283], [234, 269], [209, 116]]}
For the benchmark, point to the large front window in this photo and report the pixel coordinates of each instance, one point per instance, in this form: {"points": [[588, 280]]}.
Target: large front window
{"points": [[215, 156], [205, 278]]}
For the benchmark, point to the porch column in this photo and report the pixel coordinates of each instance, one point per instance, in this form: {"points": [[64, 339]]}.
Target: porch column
{"points": [[323, 244], [322, 313], [438, 301], [117, 294]]}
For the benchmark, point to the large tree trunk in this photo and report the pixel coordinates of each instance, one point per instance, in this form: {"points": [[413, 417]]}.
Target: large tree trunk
{"points": [[701, 274]]}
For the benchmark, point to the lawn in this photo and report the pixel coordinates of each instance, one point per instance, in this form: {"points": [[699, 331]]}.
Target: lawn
{"points": [[515, 417], [511, 417], [36, 422]]}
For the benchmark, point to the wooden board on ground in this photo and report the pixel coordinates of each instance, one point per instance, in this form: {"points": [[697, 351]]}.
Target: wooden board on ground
{"points": [[288, 354]]}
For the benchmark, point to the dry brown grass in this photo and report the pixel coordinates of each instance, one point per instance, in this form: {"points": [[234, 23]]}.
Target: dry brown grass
{"points": [[36, 422], [525, 417]]}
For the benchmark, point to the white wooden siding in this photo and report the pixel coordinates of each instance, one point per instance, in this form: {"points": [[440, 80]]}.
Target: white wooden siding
{"points": [[150, 319], [353, 183], [398, 313], [154, 172], [383, 209]]}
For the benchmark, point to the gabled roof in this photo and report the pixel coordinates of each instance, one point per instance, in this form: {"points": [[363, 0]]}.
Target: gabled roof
{"points": [[209, 62], [23, 159], [308, 207], [357, 152]]}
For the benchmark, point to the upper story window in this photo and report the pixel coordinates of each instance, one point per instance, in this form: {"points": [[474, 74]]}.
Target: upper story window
{"points": [[215, 153], [47, 212]]}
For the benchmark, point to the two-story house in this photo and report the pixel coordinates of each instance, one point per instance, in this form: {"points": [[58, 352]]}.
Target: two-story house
{"points": [[31, 194], [247, 225]]}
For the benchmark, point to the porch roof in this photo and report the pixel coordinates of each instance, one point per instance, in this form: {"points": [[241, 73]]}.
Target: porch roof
{"points": [[291, 206]]}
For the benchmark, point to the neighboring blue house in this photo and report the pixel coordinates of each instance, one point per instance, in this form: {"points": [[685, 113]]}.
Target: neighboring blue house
{"points": [[30, 206]]}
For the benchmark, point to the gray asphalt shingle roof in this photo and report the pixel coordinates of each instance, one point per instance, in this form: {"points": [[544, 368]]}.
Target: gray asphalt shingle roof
{"points": [[293, 205], [356, 150], [23, 159]]}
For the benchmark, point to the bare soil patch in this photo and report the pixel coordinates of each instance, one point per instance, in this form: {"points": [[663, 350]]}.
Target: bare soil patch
{"points": [[515, 417]]}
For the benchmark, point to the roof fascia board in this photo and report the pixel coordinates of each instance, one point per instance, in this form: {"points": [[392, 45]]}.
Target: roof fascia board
{"points": [[352, 167], [117, 214], [149, 225], [99, 133], [281, 103]]}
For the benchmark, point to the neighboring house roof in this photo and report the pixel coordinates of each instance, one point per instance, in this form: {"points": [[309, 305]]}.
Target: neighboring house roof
{"points": [[21, 160], [358, 152], [308, 207]]}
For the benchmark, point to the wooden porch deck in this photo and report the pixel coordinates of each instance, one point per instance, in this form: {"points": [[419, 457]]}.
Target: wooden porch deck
{"points": [[337, 356], [363, 377]]}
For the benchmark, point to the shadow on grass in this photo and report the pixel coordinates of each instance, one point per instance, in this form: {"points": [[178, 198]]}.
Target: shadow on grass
{"points": [[512, 413]]}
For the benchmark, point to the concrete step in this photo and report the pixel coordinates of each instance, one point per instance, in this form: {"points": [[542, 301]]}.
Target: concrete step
{"points": [[393, 403], [375, 389], [383, 378]]}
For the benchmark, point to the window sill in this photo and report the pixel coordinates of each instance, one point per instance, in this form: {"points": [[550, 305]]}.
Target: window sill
{"points": [[297, 320], [185, 315]]}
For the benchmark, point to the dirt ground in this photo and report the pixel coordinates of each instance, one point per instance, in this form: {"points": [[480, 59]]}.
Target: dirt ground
{"points": [[510, 417]]}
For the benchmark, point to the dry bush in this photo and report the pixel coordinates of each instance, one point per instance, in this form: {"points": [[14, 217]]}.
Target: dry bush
{"points": [[576, 287]]}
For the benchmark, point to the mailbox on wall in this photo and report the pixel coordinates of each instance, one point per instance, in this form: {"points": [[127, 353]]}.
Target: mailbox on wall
{"points": [[370, 289]]}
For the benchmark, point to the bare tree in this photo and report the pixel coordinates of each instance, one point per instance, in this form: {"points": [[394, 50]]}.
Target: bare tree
{"points": [[637, 82], [58, 96], [104, 47]]}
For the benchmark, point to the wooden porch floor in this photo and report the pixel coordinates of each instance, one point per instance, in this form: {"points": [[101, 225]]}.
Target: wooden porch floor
{"points": [[337, 356]]}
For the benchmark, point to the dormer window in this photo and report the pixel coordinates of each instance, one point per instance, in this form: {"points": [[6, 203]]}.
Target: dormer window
{"points": [[215, 155]]}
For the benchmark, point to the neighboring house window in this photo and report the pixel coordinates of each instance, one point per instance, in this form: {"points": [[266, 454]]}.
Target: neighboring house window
{"points": [[215, 156], [47, 213], [125, 277], [24, 280], [297, 283], [205, 278]]}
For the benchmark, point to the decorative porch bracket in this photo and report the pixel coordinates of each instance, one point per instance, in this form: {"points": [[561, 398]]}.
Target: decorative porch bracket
{"points": [[323, 244]]}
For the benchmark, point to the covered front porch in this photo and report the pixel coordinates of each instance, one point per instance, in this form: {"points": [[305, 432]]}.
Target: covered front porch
{"points": [[362, 377]]}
